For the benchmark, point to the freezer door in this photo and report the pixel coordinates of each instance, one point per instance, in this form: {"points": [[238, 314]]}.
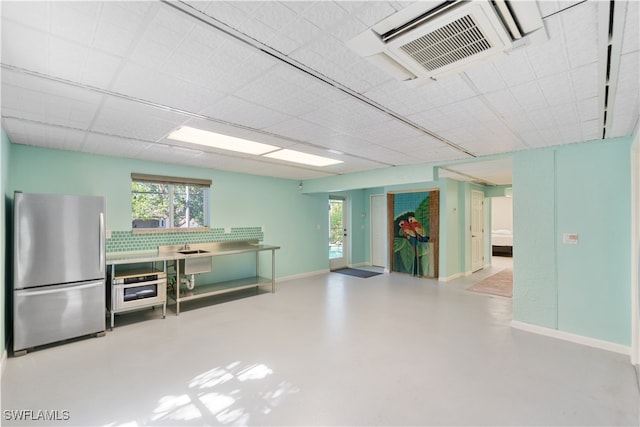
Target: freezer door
{"points": [[57, 239], [55, 313]]}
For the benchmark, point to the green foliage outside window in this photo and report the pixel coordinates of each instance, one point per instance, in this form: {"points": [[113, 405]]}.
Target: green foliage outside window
{"points": [[335, 222], [163, 205]]}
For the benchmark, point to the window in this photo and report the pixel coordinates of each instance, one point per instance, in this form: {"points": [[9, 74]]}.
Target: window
{"points": [[169, 202]]}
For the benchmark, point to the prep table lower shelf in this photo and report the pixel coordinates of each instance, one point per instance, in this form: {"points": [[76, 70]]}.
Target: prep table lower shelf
{"points": [[202, 291], [179, 294]]}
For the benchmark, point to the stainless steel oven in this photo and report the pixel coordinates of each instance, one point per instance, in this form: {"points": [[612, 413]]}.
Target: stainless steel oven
{"points": [[137, 289]]}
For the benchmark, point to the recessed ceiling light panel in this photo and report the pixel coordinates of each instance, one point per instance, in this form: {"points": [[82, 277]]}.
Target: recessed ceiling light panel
{"points": [[217, 140], [304, 158]]}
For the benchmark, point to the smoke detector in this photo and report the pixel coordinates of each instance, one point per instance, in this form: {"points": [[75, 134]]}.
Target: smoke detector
{"points": [[425, 42]]}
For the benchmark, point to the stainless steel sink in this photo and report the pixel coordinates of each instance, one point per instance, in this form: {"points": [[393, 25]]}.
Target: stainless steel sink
{"points": [[194, 265], [192, 251]]}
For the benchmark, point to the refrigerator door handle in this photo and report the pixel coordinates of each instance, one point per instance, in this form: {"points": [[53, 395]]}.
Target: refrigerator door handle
{"points": [[102, 243], [26, 292]]}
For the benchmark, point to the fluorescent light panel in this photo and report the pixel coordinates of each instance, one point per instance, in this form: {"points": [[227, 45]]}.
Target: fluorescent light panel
{"points": [[217, 140], [226, 142], [304, 158]]}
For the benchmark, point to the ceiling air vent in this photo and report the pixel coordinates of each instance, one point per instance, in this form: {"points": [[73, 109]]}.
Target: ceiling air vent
{"points": [[415, 43]]}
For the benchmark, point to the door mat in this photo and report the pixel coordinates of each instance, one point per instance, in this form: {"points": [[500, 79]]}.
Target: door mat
{"points": [[500, 284], [355, 272]]}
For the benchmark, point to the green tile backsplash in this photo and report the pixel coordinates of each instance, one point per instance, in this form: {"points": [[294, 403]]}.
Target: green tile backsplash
{"points": [[126, 241]]}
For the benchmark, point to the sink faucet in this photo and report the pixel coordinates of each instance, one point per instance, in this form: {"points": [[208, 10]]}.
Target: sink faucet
{"points": [[186, 247]]}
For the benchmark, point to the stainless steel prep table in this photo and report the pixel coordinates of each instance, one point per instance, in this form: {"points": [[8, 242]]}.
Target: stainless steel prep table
{"points": [[169, 253]]}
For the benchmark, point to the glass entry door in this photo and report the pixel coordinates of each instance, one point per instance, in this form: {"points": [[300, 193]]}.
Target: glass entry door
{"points": [[337, 233]]}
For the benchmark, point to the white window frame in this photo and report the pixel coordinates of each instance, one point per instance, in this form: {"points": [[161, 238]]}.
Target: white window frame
{"points": [[171, 182]]}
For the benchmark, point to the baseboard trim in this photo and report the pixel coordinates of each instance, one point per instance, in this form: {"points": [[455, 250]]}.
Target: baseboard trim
{"points": [[301, 276], [449, 278], [574, 338], [359, 264]]}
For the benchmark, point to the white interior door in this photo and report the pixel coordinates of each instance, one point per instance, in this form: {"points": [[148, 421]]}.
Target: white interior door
{"points": [[378, 230], [338, 238], [477, 230]]}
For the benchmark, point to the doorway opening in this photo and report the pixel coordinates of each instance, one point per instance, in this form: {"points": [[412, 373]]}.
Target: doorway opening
{"points": [[338, 242], [477, 230]]}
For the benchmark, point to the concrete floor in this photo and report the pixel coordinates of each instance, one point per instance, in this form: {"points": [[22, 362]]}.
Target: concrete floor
{"points": [[329, 349]]}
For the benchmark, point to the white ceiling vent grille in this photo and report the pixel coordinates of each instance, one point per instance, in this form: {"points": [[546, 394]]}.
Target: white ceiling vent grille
{"points": [[449, 44], [415, 43]]}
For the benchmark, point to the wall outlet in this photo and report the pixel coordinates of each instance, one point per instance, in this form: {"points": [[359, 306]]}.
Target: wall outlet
{"points": [[227, 230], [107, 234]]}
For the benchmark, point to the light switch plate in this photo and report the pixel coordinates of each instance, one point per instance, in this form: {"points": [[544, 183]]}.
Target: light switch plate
{"points": [[570, 238]]}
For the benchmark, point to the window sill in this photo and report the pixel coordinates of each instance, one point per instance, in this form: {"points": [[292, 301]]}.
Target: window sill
{"points": [[169, 230]]}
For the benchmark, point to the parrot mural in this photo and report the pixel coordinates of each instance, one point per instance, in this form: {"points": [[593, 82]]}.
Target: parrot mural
{"points": [[418, 230], [412, 244]]}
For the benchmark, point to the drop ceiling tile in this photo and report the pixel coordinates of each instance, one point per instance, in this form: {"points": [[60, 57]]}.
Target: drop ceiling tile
{"points": [[299, 7], [486, 78], [591, 130], [43, 136], [245, 113], [585, 81], [113, 39], [325, 15], [274, 14], [99, 69], [370, 13], [128, 15], [549, 57], [140, 121], [529, 96], [31, 53], [173, 24], [151, 53], [447, 90], [145, 83], [557, 89], [302, 130], [112, 146], [625, 107], [588, 109], [548, 7], [631, 35], [570, 133], [258, 30], [75, 21], [39, 13], [66, 59], [514, 68], [223, 11], [542, 118], [580, 25]]}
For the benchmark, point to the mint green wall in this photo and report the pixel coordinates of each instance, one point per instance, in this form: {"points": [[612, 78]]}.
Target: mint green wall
{"points": [[289, 219], [358, 224], [535, 296], [5, 147], [451, 229], [367, 193], [593, 200], [584, 288]]}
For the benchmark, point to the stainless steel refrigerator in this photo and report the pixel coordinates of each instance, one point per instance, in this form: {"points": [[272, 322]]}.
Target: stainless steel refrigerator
{"points": [[58, 268]]}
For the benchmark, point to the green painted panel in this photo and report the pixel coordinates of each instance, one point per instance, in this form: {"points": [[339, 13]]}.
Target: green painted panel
{"points": [[593, 196], [535, 288]]}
